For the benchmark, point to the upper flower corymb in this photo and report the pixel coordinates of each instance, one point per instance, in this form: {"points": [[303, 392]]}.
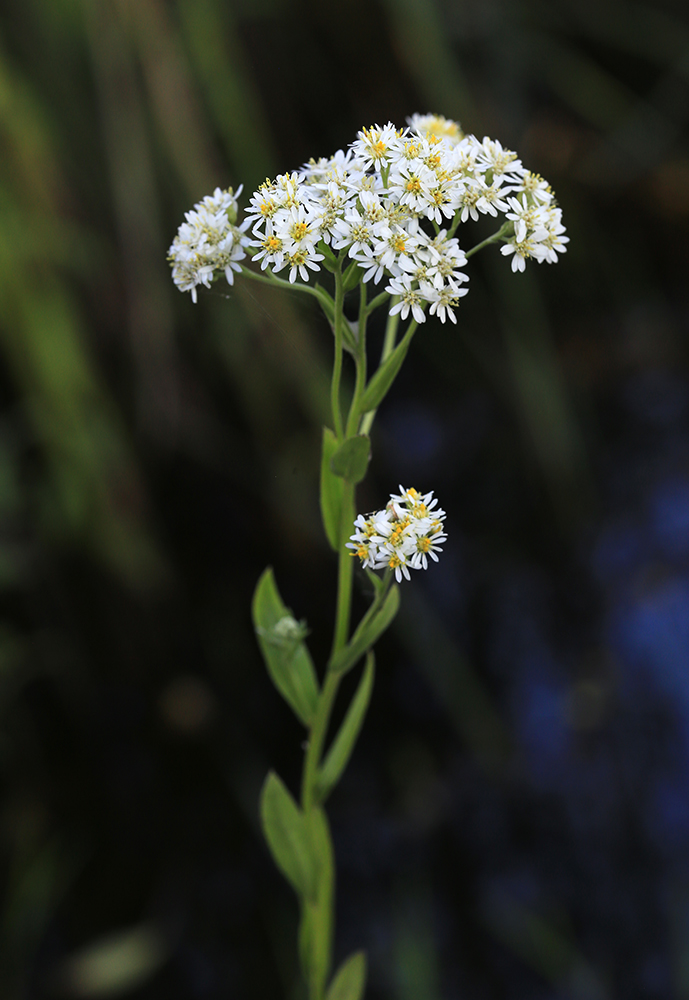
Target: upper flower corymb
{"points": [[380, 203]]}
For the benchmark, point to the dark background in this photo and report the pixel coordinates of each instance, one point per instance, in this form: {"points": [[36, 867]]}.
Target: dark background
{"points": [[515, 821]]}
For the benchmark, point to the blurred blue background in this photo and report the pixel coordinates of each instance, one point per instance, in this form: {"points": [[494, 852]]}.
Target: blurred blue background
{"points": [[515, 821]]}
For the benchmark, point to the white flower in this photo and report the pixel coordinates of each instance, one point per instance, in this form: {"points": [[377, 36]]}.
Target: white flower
{"points": [[401, 536], [523, 249], [443, 300], [436, 125], [409, 298], [375, 145]]}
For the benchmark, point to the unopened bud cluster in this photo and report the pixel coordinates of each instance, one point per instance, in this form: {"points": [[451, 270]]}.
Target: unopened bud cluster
{"points": [[402, 536]]}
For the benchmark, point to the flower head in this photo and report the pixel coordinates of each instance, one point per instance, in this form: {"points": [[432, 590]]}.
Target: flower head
{"points": [[402, 536]]}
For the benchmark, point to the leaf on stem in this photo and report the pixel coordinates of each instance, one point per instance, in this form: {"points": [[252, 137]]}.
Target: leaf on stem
{"points": [[377, 388], [341, 748], [287, 832], [350, 979], [284, 650], [331, 490], [367, 634], [351, 459]]}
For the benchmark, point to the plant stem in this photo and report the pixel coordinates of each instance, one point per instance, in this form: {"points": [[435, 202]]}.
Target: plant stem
{"points": [[390, 335], [360, 361], [331, 683], [378, 301], [293, 286], [337, 366], [491, 239]]}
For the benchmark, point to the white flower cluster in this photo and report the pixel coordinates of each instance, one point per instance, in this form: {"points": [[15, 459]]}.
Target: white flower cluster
{"points": [[208, 241], [403, 535], [383, 203], [391, 204]]}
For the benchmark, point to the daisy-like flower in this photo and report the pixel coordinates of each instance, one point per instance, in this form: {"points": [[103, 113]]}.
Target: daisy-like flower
{"points": [[437, 126], [402, 536], [525, 216], [443, 300], [374, 145], [410, 298], [530, 246], [300, 260]]}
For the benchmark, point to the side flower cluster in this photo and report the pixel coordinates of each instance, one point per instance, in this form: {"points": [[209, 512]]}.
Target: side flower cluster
{"points": [[391, 205], [209, 240], [403, 535]]}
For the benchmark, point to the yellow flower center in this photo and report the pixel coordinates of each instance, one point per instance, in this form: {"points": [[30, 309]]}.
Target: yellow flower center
{"points": [[299, 230]]}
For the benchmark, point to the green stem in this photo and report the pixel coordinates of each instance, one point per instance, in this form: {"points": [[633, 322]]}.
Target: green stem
{"points": [[337, 366], [491, 239], [377, 602], [388, 348], [390, 334], [316, 739], [294, 286], [319, 727], [360, 361], [378, 301]]}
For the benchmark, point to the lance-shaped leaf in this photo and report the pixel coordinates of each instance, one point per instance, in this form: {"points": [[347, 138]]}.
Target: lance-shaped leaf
{"points": [[331, 490], [341, 748], [284, 650], [350, 461], [288, 835], [350, 979], [376, 389], [368, 633]]}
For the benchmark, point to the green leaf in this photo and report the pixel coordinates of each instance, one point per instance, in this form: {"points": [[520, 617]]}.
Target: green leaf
{"points": [[341, 748], [350, 461], [331, 490], [350, 980], [376, 389], [284, 651], [287, 832], [368, 632]]}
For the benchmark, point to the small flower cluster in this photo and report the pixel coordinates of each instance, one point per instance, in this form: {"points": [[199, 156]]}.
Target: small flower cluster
{"points": [[208, 241], [403, 535], [391, 205]]}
